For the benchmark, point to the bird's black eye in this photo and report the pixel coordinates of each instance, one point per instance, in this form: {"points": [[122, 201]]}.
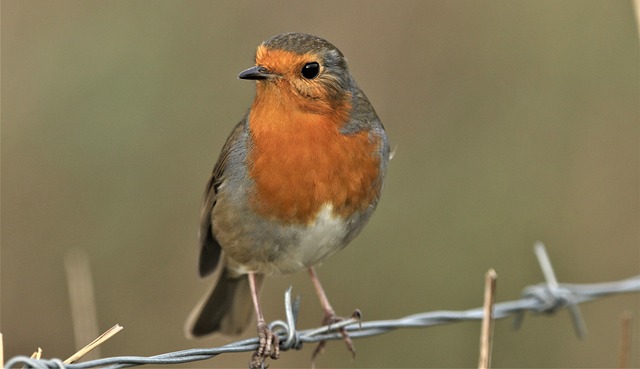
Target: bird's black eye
{"points": [[310, 70]]}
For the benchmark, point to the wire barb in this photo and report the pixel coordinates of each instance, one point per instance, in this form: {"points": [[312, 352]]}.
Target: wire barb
{"points": [[556, 297], [290, 338]]}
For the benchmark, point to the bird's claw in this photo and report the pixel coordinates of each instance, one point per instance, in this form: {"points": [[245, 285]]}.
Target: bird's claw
{"points": [[332, 318], [268, 346]]}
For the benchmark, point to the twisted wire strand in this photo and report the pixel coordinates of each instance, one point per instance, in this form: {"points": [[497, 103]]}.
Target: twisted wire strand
{"points": [[537, 298]]}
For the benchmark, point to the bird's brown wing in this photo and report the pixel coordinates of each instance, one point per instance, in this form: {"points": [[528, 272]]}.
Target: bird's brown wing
{"points": [[211, 251]]}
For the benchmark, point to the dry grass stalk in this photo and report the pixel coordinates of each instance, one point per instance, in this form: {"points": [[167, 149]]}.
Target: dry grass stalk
{"points": [[37, 354], [81, 298], [484, 362], [95, 343], [624, 358], [636, 5]]}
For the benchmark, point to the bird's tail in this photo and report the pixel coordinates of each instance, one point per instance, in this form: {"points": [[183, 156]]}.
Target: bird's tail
{"points": [[227, 310]]}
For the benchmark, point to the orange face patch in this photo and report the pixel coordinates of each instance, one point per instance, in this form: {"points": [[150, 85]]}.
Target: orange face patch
{"points": [[313, 95], [281, 61]]}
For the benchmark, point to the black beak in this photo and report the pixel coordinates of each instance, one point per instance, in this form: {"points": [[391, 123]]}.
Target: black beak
{"points": [[256, 73]]}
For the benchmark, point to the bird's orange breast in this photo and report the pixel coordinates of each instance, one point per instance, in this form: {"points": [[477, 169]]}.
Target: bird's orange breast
{"points": [[300, 162]]}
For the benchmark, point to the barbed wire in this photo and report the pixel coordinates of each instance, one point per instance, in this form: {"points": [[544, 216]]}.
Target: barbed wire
{"points": [[546, 297]]}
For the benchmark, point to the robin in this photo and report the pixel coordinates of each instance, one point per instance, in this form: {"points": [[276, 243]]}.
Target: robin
{"points": [[296, 181]]}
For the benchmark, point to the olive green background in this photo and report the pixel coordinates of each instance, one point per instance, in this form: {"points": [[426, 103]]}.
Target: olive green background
{"points": [[513, 121]]}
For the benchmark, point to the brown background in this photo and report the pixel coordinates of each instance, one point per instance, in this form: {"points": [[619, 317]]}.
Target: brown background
{"points": [[514, 121]]}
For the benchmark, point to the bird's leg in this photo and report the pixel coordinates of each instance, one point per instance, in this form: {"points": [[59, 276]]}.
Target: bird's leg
{"points": [[269, 345], [330, 316]]}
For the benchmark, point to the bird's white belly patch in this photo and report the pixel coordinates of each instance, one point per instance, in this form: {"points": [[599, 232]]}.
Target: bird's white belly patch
{"points": [[316, 242]]}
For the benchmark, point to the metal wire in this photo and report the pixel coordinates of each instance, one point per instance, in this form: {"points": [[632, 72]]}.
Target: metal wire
{"points": [[541, 298]]}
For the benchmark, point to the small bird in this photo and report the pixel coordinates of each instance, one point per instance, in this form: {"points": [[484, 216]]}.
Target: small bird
{"points": [[296, 181]]}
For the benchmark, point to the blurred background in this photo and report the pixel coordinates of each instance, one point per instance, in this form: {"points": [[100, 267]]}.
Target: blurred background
{"points": [[513, 121]]}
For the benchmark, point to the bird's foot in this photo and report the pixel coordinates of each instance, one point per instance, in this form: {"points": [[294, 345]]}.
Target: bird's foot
{"points": [[268, 346], [331, 318]]}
